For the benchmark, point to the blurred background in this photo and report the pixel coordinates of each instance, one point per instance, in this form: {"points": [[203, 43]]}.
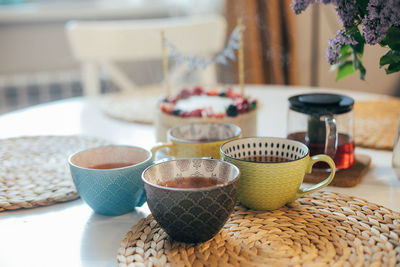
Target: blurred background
{"points": [[37, 64]]}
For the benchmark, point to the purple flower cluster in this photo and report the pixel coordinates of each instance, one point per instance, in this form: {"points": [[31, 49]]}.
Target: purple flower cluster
{"points": [[381, 16], [344, 8], [335, 44], [299, 6]]}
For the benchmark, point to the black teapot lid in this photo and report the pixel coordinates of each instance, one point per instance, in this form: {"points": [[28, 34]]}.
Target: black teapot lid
{"points": [[321, 103]]}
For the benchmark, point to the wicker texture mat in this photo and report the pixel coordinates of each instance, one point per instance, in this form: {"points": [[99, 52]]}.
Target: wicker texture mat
{"points": [[34, 170], [318, 230], [376, 123], [138, 106]]}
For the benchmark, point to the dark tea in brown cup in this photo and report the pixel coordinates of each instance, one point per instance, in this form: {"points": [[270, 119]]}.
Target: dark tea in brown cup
{"points": [[191, 199]]}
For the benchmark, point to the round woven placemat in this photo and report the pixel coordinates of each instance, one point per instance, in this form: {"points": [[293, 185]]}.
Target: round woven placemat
{"points": [[138, 106], [318, 230], [34, 170], [376, 123]]}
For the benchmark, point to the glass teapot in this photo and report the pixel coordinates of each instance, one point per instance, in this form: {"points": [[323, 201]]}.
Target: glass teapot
{"points": [[324, 122]]}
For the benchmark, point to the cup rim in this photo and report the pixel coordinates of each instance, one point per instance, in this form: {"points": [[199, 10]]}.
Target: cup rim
{"points": [[265, 137], [104, 170], [180, 140], [191, 189]]}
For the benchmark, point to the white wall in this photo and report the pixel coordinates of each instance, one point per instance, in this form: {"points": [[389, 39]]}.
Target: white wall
{"points": [[32, 37]]}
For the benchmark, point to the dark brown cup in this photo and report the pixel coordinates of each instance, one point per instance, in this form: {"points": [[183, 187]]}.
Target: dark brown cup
{"points": [[191, 215]]}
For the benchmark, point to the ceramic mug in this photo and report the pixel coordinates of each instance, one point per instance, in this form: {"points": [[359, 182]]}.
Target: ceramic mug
{"points": [[272, 170], [108, 178], [191, 214], [196, 140]]}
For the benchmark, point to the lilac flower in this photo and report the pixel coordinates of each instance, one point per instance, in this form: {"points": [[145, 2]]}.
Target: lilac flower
{"points": [[381, 16], [345, 10], [299, 6], [335, 44], [332, 53]]}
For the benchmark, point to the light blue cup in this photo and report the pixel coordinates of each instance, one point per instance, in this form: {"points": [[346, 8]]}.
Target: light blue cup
{"points": [[107, 189]]}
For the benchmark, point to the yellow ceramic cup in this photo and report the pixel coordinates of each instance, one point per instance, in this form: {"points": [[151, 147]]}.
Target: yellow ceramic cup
{"points": [[275, 179], [199, 139]]}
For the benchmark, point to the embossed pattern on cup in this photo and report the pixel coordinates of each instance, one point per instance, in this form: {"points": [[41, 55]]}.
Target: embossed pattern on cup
{"points": [[270, 185], [191, 214], [201, 139], [110, 191]]}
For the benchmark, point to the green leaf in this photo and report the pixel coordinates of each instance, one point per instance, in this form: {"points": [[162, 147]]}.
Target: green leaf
{"points": [[362, 70], [389, 58], [362, 7], [393, 31], [384, 42], [359, 47], [395, 67], [344, 49], [392, 38], [357, 64], [344, 52], [345, 70]]}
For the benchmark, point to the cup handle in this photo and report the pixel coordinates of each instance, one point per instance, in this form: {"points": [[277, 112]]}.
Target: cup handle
{"points": [[313, 160], [159, 146], [331, 138]]}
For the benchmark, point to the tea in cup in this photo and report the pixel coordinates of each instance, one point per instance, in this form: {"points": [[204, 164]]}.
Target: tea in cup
{"points": [[200, 139], [108, 178], [272, 170], [191, 199]]}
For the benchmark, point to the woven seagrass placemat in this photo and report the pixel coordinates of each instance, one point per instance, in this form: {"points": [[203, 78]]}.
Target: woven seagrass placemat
{"points": [[34, 170], [376, 123], [137, 106], [322, 229]]}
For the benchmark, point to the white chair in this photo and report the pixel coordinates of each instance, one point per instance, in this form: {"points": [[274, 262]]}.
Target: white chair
{"points": [[103, 43]]}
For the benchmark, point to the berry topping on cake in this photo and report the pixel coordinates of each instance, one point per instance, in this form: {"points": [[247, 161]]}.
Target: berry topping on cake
{"points": [[232, 111], [211, 103]]}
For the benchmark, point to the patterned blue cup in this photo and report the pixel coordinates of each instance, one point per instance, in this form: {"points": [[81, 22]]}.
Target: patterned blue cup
{"points": [[108, 178]]}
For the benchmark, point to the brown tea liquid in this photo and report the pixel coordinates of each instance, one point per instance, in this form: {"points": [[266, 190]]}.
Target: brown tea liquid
{"points": [[344, 157], [265, 159], [192, 182], [106, 166], [203, 140]]}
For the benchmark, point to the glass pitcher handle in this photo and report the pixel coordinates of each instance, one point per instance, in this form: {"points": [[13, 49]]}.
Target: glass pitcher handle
{"points": [[396, 153], [331, 138]]}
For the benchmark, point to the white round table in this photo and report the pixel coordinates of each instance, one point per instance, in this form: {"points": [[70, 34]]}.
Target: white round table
{"points": [[71, 234]]}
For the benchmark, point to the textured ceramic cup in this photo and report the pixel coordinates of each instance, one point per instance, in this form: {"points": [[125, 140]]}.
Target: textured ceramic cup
{"points": [[270, 185], [110, 191], [200, 139], [191, 214]]}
